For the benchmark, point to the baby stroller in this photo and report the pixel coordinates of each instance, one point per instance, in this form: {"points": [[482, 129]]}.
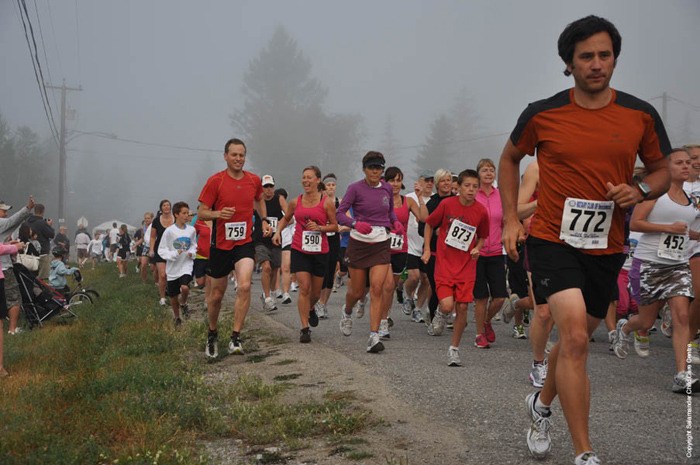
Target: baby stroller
{"points": [[41, 301]]}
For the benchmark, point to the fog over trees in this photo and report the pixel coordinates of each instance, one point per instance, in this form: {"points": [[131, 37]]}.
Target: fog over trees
{"points": [[284, 119], [164, 83]]}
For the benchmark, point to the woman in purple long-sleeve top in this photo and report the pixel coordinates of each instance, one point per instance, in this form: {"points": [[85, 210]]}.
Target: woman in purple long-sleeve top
{"points": [[368, 252]]}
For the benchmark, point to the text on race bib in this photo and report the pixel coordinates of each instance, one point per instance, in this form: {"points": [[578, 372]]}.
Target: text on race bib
{"points": [[272, 221], [236, 231], [672, 246], [585, 224], [396, 243], [460, 235], [311, 241]]}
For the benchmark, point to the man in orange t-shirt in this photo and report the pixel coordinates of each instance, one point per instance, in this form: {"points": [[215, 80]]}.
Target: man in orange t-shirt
{"points": [[586, 140], [228, 200]]}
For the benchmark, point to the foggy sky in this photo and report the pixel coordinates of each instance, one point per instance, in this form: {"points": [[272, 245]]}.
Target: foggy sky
{"points": [[170, 72]]}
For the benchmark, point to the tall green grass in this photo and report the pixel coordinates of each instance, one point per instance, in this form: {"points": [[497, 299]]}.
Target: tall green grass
{"points": [[119, 385]]}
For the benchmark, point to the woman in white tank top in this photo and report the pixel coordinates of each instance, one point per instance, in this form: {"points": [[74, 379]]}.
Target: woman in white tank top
{"points": [[664, 272]]}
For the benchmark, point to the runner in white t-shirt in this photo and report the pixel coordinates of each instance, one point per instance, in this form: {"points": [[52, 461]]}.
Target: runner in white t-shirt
{"points": [[417, 279]]}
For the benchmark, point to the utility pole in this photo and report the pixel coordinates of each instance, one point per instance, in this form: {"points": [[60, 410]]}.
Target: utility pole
{"points": [[62, 151]]}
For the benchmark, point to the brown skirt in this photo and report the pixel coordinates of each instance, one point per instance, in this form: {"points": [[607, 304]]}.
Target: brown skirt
{"points": [[363, 255]]}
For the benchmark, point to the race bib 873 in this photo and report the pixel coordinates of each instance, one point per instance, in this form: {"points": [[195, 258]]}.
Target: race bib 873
{"points": [[460, 235]]}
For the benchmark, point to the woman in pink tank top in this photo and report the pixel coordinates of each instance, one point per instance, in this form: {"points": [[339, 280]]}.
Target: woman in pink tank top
{"points": [[314, 214]]}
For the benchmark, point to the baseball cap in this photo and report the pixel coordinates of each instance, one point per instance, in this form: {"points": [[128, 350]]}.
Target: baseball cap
{"points": [[4, 206], [427, 174], [268, 180]]}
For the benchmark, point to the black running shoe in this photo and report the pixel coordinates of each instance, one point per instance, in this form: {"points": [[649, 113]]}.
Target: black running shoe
{"points": [[313, 318], [399, 295]]}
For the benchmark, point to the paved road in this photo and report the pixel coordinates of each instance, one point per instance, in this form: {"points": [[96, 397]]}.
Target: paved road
{"points": [[635, 418]]}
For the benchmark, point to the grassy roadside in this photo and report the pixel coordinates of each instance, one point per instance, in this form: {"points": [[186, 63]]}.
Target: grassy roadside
{"points": [[120, 385]]}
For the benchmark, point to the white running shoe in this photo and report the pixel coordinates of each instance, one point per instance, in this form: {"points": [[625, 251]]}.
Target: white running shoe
{"points": [[693, 352], [345, 323], [641, 345], [235, 347], [293, 287], [321, 311], [360, 307], [269, 304], [286, 298], [384, 330], [621, 342], [337, 282], [417, 316], [453, 357], [450, 320], [163, 301], [519, 332], [538, 374], [408, 305], [587, 458], [508, 308], [538, 439], [437, 326], [374, 345], [684, 381]]}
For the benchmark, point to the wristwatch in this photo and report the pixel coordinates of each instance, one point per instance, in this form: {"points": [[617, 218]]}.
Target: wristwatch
{"points": [[643, 188]]}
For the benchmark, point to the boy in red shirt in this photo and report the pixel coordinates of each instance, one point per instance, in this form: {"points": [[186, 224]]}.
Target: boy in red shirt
{"points": [[462, 225]]}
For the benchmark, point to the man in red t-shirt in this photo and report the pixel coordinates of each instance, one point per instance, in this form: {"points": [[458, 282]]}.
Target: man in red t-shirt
{"points": [[228, 200], [587, 140], [463, 225]]}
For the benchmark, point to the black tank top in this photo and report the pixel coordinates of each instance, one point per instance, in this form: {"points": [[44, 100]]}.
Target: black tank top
{"points": [[274, 210]]}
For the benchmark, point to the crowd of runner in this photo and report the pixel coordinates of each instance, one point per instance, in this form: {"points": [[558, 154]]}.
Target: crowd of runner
{"points": [[582, 237]]}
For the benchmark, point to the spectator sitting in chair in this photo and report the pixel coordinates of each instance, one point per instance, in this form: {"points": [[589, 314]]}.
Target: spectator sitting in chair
{"points": [[59, 270]]}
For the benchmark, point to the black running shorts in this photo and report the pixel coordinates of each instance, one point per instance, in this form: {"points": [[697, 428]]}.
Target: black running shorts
{"points": [[173, 287], [222, 262], [314, 264], [557, 267], [490, 278]]}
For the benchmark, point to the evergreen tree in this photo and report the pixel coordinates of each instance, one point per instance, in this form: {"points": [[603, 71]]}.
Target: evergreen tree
{"points": [[439, 148], [389, 145], [283, 120], [468, 146]]}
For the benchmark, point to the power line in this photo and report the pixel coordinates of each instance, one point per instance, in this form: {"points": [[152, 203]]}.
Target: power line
{"points": [[55, 39], [43, 46], [689, 105], [149, 144], [104, 135], [36, 64], [128, 155], [77, 39]]}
